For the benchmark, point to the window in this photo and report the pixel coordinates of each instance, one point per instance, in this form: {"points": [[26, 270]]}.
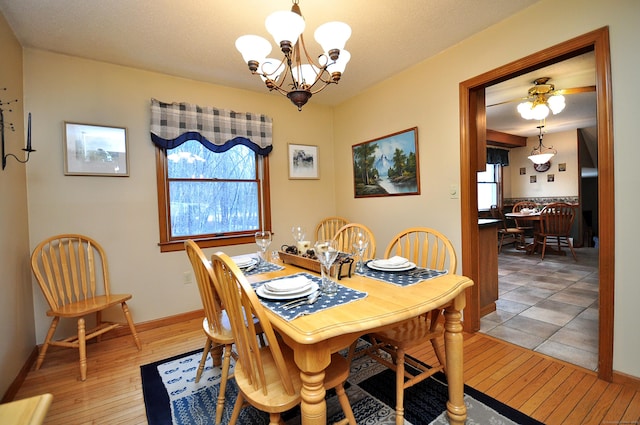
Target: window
{"points": [[212, 174], [214, 198], [489, 186]]}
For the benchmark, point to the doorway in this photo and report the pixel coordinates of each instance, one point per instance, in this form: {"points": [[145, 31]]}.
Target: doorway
{"points": [[473, 146]]}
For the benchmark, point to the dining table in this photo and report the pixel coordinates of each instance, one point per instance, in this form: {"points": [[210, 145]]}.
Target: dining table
{"points": [[364, 304]]}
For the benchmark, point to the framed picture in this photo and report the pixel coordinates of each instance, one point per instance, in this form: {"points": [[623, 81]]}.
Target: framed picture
{"points": [[387, 166], [303, 162], [95, 150]]}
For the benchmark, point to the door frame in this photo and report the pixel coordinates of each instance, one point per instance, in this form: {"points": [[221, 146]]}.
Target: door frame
{"points": [[472, 148]]}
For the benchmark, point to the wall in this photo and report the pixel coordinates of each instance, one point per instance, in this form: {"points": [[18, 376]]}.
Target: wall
{"points": [[16, 311], [121, 212], [564, 184], [426, 96]]}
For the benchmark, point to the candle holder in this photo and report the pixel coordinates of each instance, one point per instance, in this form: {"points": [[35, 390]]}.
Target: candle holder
{"points": [[28, 149]]}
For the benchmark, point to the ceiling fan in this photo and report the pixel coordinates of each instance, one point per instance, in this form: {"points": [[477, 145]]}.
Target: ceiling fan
{"points": [[543, 98]]}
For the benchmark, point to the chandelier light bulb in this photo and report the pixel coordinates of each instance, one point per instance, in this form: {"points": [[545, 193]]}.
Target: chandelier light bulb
{"points": [[285, 26], [253, 48], [332, 35]]}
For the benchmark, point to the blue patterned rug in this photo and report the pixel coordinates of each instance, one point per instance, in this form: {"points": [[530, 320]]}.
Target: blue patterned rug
{"points": [[172, 397]]}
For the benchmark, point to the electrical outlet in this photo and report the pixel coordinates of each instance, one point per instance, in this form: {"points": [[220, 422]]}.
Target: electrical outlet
{"points": [[187, 278]]}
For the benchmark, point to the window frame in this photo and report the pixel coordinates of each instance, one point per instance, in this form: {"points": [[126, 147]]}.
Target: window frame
{"points": [[498, 177], [168, 244]]}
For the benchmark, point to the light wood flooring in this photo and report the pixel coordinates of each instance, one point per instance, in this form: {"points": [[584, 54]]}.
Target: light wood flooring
{"points": [[549, 390]]}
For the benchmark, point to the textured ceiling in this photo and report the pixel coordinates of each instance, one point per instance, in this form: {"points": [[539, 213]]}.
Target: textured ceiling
{"points": [[195, 39]]}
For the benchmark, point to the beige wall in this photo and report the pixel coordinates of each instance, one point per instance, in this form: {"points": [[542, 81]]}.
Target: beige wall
{"points": [[565, 183], [427, 96], [121, 212], [16, 311]]}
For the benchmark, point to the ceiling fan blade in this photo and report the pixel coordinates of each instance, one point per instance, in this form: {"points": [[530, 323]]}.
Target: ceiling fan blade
{"points": [[519, 99], [575, 90]]}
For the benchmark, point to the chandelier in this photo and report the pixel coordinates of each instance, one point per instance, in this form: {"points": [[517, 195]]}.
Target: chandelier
{"points": [[541, 154], [542, 99], [297, 75]]}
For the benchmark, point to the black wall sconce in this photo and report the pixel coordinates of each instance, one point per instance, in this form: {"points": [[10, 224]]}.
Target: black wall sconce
{"points": [[3, 124]]}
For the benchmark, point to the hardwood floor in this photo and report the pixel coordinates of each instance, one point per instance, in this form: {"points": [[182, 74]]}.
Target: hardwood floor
{"points": [[551, 391]]}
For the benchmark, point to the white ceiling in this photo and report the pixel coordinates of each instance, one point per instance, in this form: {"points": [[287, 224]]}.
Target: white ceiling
{"points": [[195, 38]]}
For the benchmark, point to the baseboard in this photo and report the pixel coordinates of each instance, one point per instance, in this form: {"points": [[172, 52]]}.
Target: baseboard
{"points": [[626, 380], [11, 392]]}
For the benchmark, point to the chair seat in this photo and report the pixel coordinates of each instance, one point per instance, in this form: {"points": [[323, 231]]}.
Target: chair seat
{"points": [[90, 305], [224, 336], [410, 331]]}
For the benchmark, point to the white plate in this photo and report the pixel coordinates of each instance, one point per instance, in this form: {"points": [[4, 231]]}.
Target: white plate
{"points": [[246, 262], [404, 268], [271, 296], [288, 285]]}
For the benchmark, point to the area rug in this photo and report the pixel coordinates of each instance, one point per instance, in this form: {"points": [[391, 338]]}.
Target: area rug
{"points": [[172, 397]]}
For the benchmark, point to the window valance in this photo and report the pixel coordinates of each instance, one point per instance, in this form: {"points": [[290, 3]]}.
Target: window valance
{"points": [[218, 130], [498, 156]]}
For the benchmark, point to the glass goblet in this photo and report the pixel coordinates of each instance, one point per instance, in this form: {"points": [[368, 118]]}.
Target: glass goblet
{"points": [[327, 252], [263, 240], [360, 244]]}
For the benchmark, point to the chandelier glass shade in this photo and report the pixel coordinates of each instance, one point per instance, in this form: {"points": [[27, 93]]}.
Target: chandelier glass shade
{"points": [[541, 154], [296, 75], [541, 101]]}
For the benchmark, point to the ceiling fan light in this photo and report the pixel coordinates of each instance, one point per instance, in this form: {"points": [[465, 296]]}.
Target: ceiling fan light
{"points": [[253, 47], [540, 112], [556, 103], [525, 110], [285, 25], [332, 35]]}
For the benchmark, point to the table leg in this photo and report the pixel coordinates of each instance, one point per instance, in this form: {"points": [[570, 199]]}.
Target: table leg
{"points": [[453, 340], [313, 408]]}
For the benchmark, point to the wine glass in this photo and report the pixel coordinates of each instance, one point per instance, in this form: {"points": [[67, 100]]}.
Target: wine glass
{"points": [[298, 233], [360, 244], [263, 240], [327, 252]]}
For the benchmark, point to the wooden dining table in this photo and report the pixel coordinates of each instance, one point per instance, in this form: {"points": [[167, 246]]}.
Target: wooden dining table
{"points": [[314, 337]]}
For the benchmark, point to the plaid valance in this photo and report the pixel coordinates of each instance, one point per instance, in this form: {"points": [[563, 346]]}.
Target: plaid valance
{"points": [[218, 130], [498, 156]]}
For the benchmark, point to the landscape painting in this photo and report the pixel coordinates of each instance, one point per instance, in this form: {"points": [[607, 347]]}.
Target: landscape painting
{"points": [[387, 166]]}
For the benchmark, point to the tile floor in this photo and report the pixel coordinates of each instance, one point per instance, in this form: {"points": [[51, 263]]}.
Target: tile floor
{"points": [[548, 306]]}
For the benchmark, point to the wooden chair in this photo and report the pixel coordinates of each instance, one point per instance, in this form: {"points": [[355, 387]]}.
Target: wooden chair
{"points": [[328, 227], [426, 248], [519, 223], [73, 274], [348, 233], [511, 234], [215, 324], [555, 226], [267, 376]]}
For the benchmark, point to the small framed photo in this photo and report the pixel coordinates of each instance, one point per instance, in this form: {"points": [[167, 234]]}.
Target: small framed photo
{"points": [[303, 162], [523, 171], [562, 166], [95, 150], [550, 178], [532, 179]]}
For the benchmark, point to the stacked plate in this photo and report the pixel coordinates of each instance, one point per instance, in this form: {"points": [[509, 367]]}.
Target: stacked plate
{"points": [[393, 264], [287, 288], [245, 261]]}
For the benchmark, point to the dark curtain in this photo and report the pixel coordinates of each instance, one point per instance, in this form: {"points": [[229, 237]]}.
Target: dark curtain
{"points": [[498, 156]]}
